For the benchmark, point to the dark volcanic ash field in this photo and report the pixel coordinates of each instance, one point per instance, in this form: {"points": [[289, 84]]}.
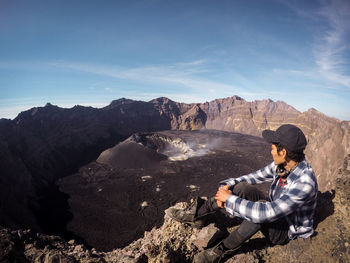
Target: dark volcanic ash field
{"points": [[125, 192]]}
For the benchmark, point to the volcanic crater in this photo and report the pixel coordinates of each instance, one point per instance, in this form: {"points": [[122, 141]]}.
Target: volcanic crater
{"points": [[124, 193]]}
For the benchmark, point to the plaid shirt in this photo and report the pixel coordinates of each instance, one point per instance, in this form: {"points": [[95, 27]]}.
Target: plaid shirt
{"points": [[297, 202]]}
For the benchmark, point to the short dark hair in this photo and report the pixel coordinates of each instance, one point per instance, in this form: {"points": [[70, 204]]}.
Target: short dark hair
{"points": [[295, 156]]}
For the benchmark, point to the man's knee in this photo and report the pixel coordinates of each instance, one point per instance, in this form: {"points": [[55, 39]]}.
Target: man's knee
{"points": [[241, 189], [248, 192], [212, 203]]}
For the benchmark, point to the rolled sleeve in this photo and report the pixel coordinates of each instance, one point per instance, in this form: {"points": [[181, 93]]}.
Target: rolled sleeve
{"points": [[230, 182], [257, 177]]}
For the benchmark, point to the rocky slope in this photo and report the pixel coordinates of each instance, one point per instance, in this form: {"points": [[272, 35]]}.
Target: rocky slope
{"points": [[175, 242], [44, 144]]}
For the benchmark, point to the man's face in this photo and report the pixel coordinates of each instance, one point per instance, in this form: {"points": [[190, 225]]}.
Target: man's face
{"points": [[278, 157]]}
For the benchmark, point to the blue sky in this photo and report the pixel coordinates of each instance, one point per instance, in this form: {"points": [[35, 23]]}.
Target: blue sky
{"points": [[92, 52]]}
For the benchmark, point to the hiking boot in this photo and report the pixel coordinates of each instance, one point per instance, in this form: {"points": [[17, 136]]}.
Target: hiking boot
{"points": [[188, 215], [215, 254]]}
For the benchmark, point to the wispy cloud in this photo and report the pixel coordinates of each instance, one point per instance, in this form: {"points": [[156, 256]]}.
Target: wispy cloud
{"points": [[187, 75], [150, 72], [294, 72], [331, 47], [193, 77], [300, 11]]}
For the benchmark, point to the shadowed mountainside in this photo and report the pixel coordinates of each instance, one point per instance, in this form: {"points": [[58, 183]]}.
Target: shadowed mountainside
{"points": [[46, 143]]}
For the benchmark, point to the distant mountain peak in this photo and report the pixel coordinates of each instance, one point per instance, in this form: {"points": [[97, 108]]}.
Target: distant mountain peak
{"points": [[118, 102], [237, 97], [162, 100], [313, 110]]}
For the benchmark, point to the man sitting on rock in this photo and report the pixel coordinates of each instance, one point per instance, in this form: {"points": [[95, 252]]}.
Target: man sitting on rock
{"points": [[287, 213]]}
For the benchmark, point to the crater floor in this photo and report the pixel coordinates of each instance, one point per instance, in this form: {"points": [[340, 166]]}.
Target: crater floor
{"points": [[124, 193]]}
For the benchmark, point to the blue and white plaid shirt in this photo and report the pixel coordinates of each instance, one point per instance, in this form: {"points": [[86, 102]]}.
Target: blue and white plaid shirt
{"points": [[297, 202]]}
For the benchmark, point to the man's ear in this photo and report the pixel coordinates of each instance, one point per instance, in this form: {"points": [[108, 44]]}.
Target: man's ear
{"points": [[283, 153]]}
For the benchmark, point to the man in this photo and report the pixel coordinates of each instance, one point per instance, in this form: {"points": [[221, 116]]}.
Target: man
{"points": [[285, 214]]}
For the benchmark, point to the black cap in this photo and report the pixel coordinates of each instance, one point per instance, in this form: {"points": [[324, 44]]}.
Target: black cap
{"points": [[289, 136]]}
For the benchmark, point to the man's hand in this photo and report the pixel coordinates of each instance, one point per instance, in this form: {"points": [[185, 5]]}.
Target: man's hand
{"points": [[221, 196]]}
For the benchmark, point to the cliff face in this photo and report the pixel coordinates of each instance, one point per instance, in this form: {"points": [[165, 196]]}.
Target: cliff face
{"points": [[328, 145], [236, 114]]}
